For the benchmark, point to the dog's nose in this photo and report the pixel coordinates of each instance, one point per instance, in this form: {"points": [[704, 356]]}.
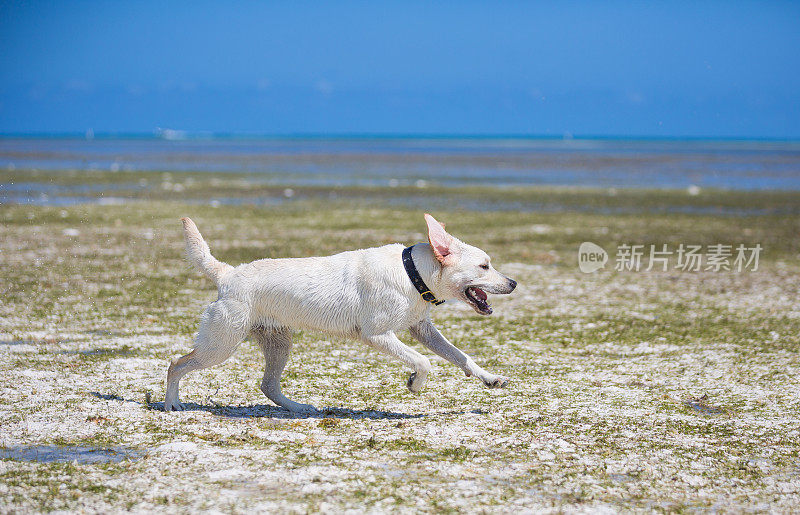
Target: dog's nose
{"points": [[512, 284]]}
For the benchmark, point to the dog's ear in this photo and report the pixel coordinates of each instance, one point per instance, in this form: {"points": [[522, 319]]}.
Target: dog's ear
{"points": [[441, 242]]}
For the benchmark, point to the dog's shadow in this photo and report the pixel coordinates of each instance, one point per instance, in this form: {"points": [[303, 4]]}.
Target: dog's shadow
{"points": [[277, 412]]}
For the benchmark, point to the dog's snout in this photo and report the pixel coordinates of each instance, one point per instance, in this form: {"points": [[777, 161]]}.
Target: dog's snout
{"points": [[511, 284]]}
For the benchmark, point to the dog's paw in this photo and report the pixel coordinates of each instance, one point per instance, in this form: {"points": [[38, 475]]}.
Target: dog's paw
{"points": [[495, 381], [173, 406], [416, 382], [305, 409], [299, 408]]}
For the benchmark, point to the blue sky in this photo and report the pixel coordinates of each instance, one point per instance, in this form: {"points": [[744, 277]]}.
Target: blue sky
{"points": [[663, 69]]}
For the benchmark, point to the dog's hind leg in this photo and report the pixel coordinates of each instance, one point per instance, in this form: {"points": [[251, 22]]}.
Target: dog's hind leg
{"points": [[390, 344], [222, 328], [276, 344]]}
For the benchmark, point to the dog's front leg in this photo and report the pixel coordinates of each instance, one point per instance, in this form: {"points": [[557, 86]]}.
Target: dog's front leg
{"points": [[390, 344], [430, 337]]}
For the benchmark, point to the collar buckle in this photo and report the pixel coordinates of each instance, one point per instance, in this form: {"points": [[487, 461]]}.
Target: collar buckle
{"points": [[430, 297]]}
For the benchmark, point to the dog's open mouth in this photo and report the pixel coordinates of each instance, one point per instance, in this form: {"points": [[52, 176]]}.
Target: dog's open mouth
{"points": [[477, 298]]}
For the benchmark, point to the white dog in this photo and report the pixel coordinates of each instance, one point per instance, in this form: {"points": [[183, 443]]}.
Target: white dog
{"points": [[365, 294]]}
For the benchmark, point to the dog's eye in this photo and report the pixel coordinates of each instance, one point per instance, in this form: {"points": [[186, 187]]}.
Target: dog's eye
{"points": [[485, 267]]}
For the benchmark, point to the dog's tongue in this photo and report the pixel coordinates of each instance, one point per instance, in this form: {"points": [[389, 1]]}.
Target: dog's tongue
{"points": [[479, 293]]}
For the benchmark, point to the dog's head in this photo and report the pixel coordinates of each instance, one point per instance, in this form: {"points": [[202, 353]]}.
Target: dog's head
{"points": [[467, 271]]}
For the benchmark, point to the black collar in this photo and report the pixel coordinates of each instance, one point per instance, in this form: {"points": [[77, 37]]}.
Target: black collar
{"points": [[416, 280]]}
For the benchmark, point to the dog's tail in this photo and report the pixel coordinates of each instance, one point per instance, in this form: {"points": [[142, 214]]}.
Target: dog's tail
{"points": [[198, 253]]}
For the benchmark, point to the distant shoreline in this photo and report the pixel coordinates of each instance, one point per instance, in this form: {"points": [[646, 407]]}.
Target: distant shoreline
{"points": [[445, 162]]}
